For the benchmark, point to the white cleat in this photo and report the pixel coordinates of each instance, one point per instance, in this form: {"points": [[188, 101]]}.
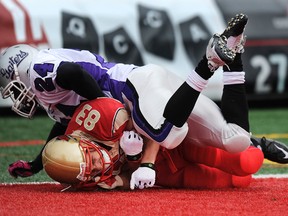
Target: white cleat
{"points": [[217, 53], [234, 33]]}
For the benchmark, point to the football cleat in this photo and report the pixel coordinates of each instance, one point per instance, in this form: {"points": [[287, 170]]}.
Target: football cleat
{"points": [[217, 53], [234, 33], [273, 150]]}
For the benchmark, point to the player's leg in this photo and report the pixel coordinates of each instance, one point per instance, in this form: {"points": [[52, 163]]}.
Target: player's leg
{"points": [[197, 176], [218, 53], [183, 100], [234, 104], [241, 164], [206, 123], [165, 121], [201, 176]]}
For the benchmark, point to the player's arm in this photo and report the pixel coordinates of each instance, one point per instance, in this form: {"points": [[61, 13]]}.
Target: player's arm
{"points": [[145, 175], [72, 76], [24, 168], [151, 149]]}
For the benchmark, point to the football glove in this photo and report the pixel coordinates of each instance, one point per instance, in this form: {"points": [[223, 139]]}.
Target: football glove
{"points": [[143, 177], [131, 143], [20, 168]]}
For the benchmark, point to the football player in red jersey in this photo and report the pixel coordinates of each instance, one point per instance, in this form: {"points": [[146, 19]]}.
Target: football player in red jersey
{"points": [[95, 128], [89, 156]]}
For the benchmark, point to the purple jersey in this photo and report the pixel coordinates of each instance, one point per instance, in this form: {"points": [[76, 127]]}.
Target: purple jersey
{"points": [[61, 103]]}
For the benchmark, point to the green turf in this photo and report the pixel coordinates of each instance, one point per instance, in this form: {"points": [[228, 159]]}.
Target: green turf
{"points": [[17, 128], [264, 121]]}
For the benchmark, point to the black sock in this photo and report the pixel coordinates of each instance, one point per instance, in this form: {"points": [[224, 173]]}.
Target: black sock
{"points": [[202, 68], [236, 65], [234, 104], [180, 105], [36, 164]]}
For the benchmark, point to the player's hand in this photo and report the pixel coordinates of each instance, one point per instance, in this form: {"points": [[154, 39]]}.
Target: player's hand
{"points": [[131, 143], [143, 177], [20, 168]]}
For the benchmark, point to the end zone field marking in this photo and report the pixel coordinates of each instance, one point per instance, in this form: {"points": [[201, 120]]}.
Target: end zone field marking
{"points": [[274, 163], [260, 176], [273, 135], [263, 176], [22, 143]]}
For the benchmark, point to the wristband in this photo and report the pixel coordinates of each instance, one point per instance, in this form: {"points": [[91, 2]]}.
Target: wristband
{"points": [[134, 157], [149, 165]]}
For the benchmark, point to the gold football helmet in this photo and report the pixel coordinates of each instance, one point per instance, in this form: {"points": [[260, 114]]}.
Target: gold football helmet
{"points": [[76, 161]]}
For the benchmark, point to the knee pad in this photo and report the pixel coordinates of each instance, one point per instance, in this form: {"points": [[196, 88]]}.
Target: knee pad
{"points": [[235, 139], [175, 137]]}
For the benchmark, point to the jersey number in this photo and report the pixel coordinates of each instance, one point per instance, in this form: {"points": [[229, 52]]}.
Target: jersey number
{"points": [[87, 117], [40, 83]]}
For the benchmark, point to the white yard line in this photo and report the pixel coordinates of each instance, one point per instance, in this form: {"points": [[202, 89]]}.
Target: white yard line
{"points": [[271, 176], [260, 176]]}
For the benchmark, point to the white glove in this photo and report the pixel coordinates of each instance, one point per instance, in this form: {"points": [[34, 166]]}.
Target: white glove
{"points": [[143, 177], [131, 143]]}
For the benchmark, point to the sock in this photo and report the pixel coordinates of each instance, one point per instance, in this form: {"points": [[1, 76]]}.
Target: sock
{"points": [[36, 164], [202, 69], [180, 105], [236, 65], [182, 102], [234, 104]]}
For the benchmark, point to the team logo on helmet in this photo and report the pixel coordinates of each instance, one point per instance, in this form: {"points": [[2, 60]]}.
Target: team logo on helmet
{"points": [[13, 60]]}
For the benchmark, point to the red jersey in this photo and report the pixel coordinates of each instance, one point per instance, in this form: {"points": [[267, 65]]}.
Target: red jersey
{"points": [[103, 118]]}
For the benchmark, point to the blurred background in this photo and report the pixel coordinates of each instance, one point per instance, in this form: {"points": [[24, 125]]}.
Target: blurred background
{"points": [[171, 33]]}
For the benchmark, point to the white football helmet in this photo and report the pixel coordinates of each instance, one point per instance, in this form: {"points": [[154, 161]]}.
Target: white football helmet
{"points": [[15, 62], [76, 161]]}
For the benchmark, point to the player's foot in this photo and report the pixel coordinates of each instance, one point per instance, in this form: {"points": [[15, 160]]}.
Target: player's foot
{"points": [[234, 33], [217, 53], [273, 150]]}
